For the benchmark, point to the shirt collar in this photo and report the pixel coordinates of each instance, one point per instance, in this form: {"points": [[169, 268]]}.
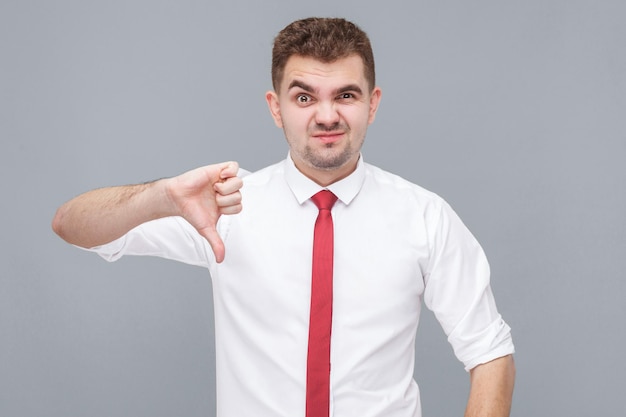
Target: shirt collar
{"points": [[304, 188]]}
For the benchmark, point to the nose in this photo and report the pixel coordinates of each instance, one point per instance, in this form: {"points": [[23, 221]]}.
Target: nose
{"points": [[326, 114]]}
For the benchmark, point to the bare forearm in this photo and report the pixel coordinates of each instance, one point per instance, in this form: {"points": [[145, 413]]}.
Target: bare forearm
{"points": [[200, 196], [491, 389], [101, 216]]}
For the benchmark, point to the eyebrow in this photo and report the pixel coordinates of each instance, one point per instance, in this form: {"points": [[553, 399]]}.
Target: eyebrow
{"points": [[347, 88], [302, 85], [350, 88]]}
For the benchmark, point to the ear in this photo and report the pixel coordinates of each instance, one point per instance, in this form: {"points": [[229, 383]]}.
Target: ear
{"points": [[374, 101], [272, 102]]}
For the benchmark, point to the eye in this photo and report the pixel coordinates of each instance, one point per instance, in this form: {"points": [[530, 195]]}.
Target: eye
{"points": [[303, 98], [346, 96]]}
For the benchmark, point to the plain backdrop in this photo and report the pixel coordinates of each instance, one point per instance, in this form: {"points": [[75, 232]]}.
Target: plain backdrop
{"points": [[515, 112]]}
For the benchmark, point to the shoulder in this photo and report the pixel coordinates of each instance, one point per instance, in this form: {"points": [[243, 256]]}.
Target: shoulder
{"points": [[266, 184], [394, 185], [262, 176]]}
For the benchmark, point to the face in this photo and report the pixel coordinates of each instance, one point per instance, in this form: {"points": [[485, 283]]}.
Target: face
{"points": [[324, 110]]}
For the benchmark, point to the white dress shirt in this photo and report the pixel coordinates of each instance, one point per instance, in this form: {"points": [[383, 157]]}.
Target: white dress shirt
{"points": [[396, 244]]}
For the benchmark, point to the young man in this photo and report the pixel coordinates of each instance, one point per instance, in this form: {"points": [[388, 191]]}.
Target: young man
{"points": [[388, 244]]}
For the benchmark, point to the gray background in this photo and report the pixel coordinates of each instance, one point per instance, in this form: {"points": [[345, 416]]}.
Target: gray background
{"points": [[515, 112]]}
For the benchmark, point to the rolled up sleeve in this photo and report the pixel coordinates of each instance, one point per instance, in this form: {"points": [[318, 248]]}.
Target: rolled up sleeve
{"points": [[170, 238], [458, 291]]}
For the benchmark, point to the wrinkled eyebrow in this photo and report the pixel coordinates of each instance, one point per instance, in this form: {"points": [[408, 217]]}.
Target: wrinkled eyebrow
{"points": [[302, 85], [309, 89], [350, 88]]}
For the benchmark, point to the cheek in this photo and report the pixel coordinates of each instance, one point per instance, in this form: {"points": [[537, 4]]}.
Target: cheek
{"points": [[296, 118], [357, 118]]}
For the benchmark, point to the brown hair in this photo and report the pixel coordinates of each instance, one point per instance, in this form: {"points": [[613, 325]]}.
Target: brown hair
{"points": [[324, 39]]}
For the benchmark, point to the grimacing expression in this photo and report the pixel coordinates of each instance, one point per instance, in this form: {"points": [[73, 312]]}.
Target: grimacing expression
{"points": [[324, 110]]}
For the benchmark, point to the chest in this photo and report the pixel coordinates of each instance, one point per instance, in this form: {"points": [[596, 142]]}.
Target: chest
{"points": [[379, 256]]}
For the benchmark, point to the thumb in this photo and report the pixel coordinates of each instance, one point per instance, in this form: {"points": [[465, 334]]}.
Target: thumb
{"points": [[215, 241]]}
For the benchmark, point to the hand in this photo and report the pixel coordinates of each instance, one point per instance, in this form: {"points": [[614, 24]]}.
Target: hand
{"points": [[202, 195]]}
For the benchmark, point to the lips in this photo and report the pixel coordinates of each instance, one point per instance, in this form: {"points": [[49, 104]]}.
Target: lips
{"points": [[328, 137]]}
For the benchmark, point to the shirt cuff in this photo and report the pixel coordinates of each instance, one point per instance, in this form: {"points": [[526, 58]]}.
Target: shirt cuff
{"points": [[493, 342]]}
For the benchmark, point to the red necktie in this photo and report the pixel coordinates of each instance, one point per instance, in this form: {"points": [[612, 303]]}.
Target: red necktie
{"points": [[318, 360]]}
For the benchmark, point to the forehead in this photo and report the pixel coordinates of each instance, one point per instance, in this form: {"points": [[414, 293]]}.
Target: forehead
{"points": [[348, 70]]}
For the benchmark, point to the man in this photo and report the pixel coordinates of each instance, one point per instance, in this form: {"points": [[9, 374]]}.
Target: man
{"points": [[395, 244]]}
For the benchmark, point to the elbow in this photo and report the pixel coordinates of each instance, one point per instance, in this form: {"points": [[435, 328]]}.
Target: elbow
{"points": [[512, 370], [509, 364], [58, 223], [512, 365], [501, 369]]}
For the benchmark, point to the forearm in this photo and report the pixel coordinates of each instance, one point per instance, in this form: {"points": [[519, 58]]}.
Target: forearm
{"points": [[491, 389], [103, 215]]}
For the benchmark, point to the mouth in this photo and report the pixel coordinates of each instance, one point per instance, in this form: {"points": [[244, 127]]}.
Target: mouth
{"points": [[328, 137]]}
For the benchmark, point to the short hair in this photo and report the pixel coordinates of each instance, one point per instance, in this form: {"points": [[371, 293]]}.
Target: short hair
{"points": [[324, 39]]}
